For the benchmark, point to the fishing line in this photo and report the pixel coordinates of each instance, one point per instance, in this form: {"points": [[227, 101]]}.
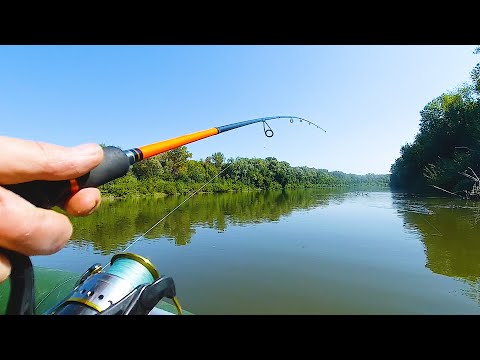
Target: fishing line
{"points": [[268, 132], [54, 289], [428, 222], [120, 269], [175, 208]]}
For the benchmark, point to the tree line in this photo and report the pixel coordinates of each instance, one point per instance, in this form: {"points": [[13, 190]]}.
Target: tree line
{"points": [[175, 172], [445, 153]]}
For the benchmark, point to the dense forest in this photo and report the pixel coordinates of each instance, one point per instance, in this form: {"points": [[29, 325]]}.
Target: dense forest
{"points": [[175, 172], [445, 155]]}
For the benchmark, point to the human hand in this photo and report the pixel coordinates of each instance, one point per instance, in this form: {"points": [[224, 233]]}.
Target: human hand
{"points": [[30, 230]]}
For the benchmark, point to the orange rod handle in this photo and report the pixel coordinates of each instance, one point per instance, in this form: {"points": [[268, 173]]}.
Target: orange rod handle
{"points": [[162, 146]]}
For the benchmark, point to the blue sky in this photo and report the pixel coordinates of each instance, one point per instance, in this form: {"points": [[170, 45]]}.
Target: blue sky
{"points": [[367, 98]]}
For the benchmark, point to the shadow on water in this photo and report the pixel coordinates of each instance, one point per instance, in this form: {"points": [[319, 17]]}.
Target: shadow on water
{"points": [[450, 232], [117, 223]]}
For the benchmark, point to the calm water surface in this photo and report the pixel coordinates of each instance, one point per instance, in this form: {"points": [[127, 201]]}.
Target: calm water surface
{"points": [[296, 252]]}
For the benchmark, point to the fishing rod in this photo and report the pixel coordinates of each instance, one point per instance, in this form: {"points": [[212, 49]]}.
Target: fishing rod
{"points": [[116, 163], [132, 285]]}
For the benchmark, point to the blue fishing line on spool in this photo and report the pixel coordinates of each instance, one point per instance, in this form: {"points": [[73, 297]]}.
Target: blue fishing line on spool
{"points": [[131, 271]]}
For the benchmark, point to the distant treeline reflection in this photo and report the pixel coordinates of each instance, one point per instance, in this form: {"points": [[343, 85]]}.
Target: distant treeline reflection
{"points": [[117, 223]]}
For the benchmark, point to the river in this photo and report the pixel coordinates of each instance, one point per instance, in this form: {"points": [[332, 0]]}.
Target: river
{"points": [[295, 252]]}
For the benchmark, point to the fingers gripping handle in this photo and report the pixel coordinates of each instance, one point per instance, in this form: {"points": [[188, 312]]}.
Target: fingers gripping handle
{"points": [[47, 194]]}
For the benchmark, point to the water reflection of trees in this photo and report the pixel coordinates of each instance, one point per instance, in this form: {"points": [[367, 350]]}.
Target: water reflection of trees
{"points": [[450, 230], [117, 223]]}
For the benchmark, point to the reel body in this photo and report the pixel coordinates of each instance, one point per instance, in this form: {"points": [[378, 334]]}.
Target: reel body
{"points": [[131, 286]]}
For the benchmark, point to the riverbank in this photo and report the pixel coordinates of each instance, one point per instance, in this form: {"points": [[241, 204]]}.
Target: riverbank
{"points": [[187, 191]]}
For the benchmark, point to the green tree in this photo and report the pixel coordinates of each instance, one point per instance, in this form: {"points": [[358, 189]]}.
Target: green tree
{"points": [[449, 125], [175, 161], [148, 168], [218, 160]]}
